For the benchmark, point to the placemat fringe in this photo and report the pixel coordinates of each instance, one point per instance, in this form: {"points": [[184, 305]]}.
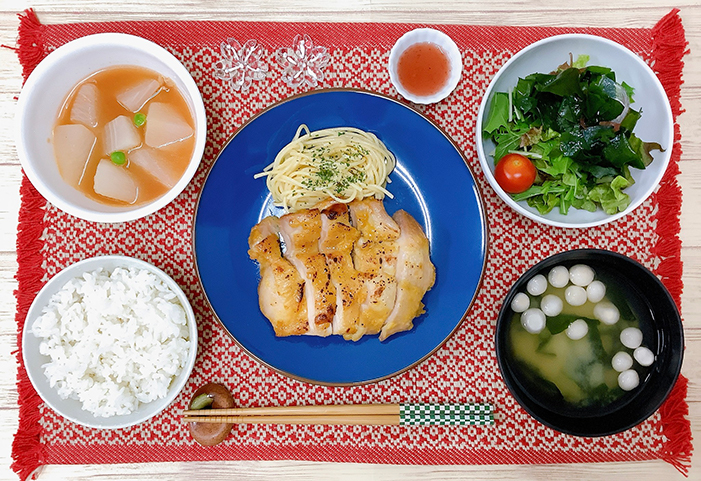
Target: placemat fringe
{"points": [[30, 43], [27, 449], [669, 47], [676, 428]]}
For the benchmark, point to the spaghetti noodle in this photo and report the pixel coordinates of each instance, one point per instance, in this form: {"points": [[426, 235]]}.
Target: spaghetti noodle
{"points": [[341, 163]]}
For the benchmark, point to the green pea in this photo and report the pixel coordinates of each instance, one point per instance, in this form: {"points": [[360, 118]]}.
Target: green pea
{"points": [[139, 119], [118, 157]]}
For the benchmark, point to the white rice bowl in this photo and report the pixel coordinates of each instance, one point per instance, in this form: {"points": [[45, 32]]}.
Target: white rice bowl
{"points": [[109, 342]]}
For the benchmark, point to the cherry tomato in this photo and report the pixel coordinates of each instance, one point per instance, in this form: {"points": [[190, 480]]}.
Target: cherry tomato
{"points": [[515, 173]]}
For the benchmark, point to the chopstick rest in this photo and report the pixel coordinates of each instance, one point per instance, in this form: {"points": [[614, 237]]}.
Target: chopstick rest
{"points": [[407, 414]]}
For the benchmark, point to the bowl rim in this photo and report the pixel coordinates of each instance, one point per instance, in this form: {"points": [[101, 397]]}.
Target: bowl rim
{"points": [[71, 272], [486, 161], [519, 392], [446, 43], [54, 60]]}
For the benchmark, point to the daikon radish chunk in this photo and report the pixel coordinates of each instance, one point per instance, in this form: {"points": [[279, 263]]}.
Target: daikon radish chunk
{"points": [[120, 134], [165, 126], [134, 98], [156, 164], [73, 144], [84, 109], [114, 182]]}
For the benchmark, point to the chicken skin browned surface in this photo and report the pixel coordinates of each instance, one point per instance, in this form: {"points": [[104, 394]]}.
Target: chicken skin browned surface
{"points": [[338, 238], [415, 275], [300, 233], [375, 257], [281, 289]]}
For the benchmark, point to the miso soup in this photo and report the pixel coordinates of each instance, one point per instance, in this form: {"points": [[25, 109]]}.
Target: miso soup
{"points": [[124, 136], [577, 372]]}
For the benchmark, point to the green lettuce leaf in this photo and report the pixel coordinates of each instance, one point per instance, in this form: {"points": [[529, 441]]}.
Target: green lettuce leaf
{"points": [[506, 140], [544, 203], [629, 90], [498, 112], [610, 195], [581, 62]]}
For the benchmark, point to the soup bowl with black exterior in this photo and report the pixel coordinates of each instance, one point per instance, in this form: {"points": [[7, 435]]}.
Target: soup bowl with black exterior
{"points": [[659, 320]]}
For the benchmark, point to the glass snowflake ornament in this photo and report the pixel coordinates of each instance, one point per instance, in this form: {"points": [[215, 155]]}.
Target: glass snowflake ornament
{"points": [[241, 65], [303, 63]]}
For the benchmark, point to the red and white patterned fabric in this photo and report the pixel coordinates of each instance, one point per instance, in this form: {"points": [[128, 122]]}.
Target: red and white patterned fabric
{"points": [[463, 370]]}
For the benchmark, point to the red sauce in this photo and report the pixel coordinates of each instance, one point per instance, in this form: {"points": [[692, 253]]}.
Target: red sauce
{"points": [[423, 69]]}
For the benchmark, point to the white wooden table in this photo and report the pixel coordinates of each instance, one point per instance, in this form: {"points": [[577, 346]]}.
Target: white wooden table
{"points": [[597, 13]]}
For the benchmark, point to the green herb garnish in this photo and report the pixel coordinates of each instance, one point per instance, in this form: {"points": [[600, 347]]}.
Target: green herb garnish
{"points": [[333, 171]]}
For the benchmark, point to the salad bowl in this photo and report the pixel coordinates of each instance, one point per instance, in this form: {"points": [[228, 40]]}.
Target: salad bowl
{"points": [[655, 125]]}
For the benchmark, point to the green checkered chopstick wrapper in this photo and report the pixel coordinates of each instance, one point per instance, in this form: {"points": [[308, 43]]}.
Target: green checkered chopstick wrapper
{"points": [[471, 414]]}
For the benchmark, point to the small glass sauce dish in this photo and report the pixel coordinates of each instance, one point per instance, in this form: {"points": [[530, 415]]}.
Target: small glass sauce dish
{"points": [[425, 65]]}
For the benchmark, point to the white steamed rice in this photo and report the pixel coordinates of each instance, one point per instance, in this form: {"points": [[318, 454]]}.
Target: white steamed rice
{"points": [[115, 339]]}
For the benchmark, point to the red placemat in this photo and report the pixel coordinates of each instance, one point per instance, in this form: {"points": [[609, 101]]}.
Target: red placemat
{"points": [[463, 370]]}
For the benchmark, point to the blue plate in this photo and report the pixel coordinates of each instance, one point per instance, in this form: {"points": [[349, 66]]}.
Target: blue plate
{"points": [[431, 181]]}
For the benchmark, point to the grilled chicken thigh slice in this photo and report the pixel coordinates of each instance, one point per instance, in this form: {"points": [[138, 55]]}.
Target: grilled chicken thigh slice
{"points": [[375, 257], [337, 240], [415, 275], [281, 289], [300, 232]]}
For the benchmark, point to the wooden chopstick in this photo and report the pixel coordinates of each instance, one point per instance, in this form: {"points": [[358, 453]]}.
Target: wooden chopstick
{"points": [[330, 420], [322, 410], [350, 414]]}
